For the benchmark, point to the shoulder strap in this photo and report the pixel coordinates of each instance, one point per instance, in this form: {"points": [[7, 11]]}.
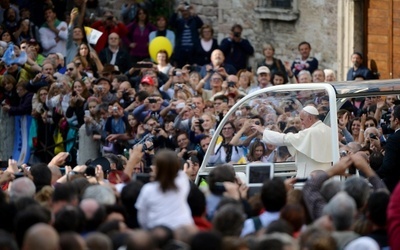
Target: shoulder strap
{"points": [[257, 223]]}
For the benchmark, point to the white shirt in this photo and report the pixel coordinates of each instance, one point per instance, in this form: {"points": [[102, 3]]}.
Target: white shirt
{"points": [[169, 209], [312, 147], [266, 218], [49, 44]]}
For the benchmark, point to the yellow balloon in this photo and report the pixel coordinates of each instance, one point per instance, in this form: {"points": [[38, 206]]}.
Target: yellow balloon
{"points": [[157, 44]]}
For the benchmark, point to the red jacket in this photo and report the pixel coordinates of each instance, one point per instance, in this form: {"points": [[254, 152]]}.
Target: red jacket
{"points": [[120, 29], [393, 219]]}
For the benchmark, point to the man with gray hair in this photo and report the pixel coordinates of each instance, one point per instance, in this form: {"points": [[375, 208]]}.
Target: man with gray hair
{"points": [[22, 187], [312, 192], [341, 209]]}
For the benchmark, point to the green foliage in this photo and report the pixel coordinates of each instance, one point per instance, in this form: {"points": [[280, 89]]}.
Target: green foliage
{"points": [[161, 7]]}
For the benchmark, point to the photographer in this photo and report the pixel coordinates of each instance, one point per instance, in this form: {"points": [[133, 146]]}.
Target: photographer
{"points": [[216, 84], [177, 82], [115, 127], [217, 65], [185, 147], [150, 107], [237, 49], [126, 95]]}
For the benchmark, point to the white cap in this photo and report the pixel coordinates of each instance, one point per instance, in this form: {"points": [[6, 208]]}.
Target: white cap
{"points": [[311, 110], [365, 243], [263, 69]]}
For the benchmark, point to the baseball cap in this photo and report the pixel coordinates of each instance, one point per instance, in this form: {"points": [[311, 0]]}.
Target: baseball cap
{"points": [[147, 79], [263, 69]]}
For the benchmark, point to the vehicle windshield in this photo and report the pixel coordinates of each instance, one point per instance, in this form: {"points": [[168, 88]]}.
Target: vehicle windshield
{"points": [[238, 143]]}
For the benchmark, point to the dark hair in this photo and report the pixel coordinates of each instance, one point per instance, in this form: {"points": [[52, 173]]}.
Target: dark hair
{"points": [[69, 218], [281, 74], [262, 121], [377, 207], [221, 173], [41, 175], [273, 195], [196, 200], [253, 147], [304, 42], [168, 165], [163, 51], [396, 112], [206, 240], [236, 26], [223, 98], [146, 21], [64, 192], [371, 118], [142, 95], [358, 53]]}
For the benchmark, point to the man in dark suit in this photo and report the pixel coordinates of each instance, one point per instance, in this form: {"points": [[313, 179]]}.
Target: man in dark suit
{"points": [[115, 55], [390, 169]]}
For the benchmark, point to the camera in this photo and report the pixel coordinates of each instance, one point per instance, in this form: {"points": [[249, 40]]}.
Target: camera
{"points": [[201, 120], [236, 34], [257, 123], [373, 136], [231, 84], [144, 148], [59, 84], [115, 108], [125, 95], [157, 130], [180, 86], [110, 18], [192, 106], [343, 153], [176, 73], [73, 93], [90, 170], [238, 113], [152, 100], [100, 88]]}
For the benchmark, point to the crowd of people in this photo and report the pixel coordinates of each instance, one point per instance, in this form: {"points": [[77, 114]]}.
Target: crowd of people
{"points": [[84, 126]]}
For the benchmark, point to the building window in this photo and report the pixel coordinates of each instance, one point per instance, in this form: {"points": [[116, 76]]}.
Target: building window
{"points": [[286, 4], [284, 10]]}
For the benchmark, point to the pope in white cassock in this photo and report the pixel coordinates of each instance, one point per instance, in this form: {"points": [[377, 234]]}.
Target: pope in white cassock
{"points": [[312, 146]]}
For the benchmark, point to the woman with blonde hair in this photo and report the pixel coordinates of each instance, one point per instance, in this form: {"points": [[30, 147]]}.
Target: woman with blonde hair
{"points": [[270, 61]]}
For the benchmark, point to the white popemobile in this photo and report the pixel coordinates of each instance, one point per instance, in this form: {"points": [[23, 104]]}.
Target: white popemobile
{"points": [[294, 100]]}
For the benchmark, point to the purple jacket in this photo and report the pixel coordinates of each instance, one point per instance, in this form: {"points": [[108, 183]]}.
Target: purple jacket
{"points": [[140, 37]]}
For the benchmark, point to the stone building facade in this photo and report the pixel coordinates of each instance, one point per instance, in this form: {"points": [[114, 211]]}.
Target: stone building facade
{"points": [[329, 26]]}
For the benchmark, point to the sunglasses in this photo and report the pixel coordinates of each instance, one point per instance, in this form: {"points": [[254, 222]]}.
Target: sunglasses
{"points": [[77, 64], [70, 69]]}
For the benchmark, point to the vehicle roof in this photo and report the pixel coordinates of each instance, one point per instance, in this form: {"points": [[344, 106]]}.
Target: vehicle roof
{"points": [[366, 88]]}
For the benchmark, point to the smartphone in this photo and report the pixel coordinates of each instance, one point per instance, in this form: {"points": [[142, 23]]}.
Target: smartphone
{"points": [[87, 113], [219, 187]]}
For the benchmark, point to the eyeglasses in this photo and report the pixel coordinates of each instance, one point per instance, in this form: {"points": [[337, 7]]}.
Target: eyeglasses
{"points": [[369, 125], [70, 69], [227, 128]]}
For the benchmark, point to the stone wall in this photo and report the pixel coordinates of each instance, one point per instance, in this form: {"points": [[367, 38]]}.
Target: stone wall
{"points": [[317, 24]]}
